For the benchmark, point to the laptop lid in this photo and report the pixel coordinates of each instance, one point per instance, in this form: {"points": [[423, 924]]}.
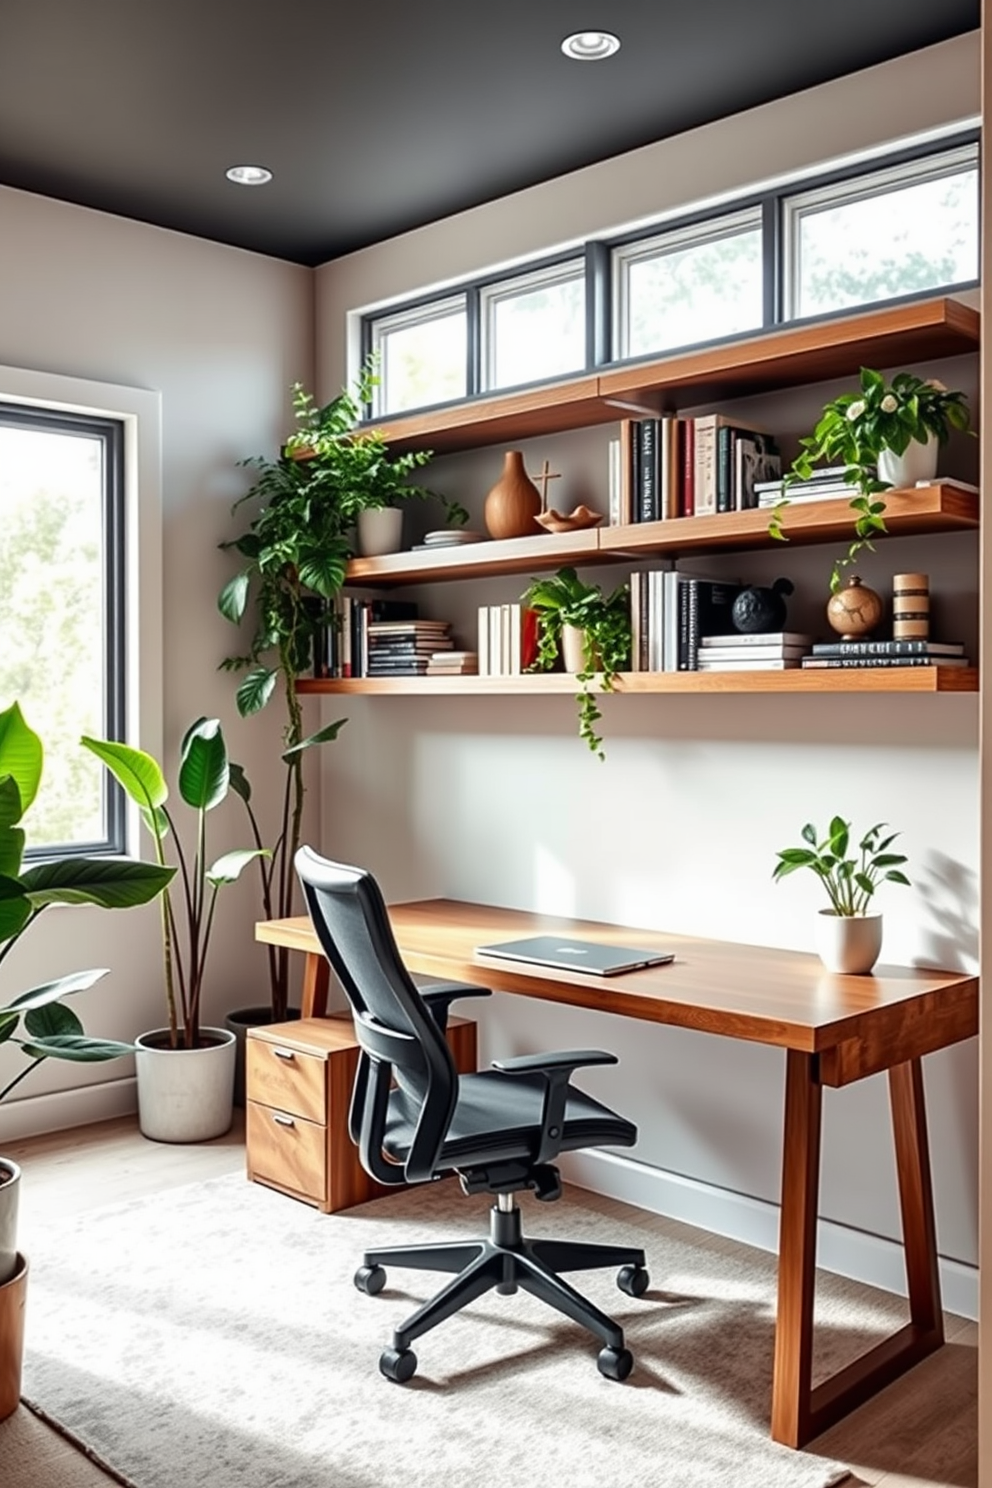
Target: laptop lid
{"points": [[571, 953]]}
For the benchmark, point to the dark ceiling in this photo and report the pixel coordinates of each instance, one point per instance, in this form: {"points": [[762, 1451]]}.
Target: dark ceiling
{"points": [[378, 117]]}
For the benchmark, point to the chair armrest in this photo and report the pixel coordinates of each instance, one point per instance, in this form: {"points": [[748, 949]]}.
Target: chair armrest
{"points": [[557, 1071], [441, 995]]}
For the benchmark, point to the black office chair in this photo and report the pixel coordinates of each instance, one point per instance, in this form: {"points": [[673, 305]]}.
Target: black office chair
{"points": [[414, 1119]]}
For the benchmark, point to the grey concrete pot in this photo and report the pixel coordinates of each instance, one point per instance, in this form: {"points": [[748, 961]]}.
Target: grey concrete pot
{"points": [[10, 1189]]}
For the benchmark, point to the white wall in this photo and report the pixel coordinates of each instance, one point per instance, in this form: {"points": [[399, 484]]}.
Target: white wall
{"points": [[495, 799], [220, 334]]}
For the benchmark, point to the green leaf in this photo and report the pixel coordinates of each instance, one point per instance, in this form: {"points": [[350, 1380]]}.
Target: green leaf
{"points": [[52, 1021], [49, 992], [15, 908], [894, 876], [203, 770], [11, 809], [111, 883], [256, 689], [11, 850], [139, 774], [75, 1047], [233, 598], [21, 755], [324, 572], [156, 821], [322, 736], [228, 868], [239, 781], [808, 834]]}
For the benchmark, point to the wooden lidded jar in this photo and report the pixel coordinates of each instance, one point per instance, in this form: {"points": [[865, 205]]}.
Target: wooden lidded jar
{"points": [[513, 502]]}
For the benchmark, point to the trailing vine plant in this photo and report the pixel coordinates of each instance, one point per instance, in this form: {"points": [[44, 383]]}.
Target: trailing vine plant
{"points": [[604, 620]]}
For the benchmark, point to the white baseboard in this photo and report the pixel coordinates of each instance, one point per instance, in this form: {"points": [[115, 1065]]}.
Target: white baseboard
{"points": [[36, 1115], [847, 1252]]}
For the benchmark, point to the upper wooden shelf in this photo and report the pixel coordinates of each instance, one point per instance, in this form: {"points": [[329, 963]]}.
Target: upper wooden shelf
{"points": [[805, 353], [842, 679], [936, 508]]}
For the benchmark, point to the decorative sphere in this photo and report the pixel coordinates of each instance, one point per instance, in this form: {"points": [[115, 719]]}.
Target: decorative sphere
{"points": [[757, 610], [855, 610]]}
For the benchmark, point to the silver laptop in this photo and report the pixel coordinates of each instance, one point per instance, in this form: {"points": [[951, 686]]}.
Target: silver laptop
{"points": [[570, 954]]}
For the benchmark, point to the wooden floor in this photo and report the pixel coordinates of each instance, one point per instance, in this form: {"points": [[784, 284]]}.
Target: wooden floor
{"points": [[919, 1433]]}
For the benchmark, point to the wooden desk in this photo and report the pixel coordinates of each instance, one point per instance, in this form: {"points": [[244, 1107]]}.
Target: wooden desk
{"points": [[834, 1029]]}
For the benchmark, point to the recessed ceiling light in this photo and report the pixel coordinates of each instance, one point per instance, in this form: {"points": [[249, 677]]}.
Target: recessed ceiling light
{"points": [[249, 175], [590, 46]]}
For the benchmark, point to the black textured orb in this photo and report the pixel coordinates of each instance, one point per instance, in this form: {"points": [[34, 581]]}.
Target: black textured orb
{"points": [[757, 610]]}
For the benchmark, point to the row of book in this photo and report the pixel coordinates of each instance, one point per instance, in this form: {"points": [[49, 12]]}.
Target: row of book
{"points": [[671, 613], [376, 638], [507, 640], [673, 466], [785, 650]]}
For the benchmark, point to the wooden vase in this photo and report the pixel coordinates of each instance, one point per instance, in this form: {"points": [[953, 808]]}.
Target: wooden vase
{"points": [[13, 1295], [855, 610], [514, 501]]}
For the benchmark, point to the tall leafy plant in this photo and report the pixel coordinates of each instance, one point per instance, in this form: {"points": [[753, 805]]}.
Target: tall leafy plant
{"points": [[203, 780], [38, 1021]]}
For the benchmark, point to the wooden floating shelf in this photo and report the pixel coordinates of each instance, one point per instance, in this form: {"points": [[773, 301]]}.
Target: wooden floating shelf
{"points": [[842, 679], [807, 353], [936, 508]]}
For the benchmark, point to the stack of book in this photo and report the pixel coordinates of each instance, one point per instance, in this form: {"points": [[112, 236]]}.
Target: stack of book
{"points": [[670, 614], [453, 664], [775, 651], [823, 485], [404, 648], [886, 654]]}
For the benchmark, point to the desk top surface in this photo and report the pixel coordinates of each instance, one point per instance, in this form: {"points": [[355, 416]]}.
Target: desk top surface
{"points": [[770, 996]]}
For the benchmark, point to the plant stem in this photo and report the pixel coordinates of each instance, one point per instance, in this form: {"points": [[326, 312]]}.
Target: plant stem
{"points": [[18, 1078]]}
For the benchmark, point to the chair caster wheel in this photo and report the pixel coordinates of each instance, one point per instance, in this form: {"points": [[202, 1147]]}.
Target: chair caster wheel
{"points": [[614, 1363], [370, 1279], [633, 1280], [399, 1365]]}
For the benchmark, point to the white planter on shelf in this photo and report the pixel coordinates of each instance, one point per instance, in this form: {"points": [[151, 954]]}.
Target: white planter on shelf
{"points": [[185, 1095], [10, 1189], [848, 943], [380, 531], [918, 462]]}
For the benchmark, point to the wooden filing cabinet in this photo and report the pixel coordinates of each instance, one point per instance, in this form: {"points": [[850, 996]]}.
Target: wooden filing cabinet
{"points": [[298, 1084]]}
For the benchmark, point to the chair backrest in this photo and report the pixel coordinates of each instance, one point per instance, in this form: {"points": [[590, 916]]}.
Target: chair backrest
{"points": [[396, 1030]]}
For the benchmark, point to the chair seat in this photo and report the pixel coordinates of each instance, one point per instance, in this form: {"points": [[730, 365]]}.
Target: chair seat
{"points": [[498, 1117]]}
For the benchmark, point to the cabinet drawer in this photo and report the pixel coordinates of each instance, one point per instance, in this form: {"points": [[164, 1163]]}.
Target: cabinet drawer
{"points": [[280, 1076], [288, 1151]]}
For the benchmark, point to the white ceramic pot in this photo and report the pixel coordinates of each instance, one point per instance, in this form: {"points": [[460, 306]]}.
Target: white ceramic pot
{"points": [[10, 1190], [380, 531], [185, 1095], [848, 943], [918, 462]]}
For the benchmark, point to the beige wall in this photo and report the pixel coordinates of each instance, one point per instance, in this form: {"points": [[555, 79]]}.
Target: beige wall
{"points": [[495, 799], [220, 334]]}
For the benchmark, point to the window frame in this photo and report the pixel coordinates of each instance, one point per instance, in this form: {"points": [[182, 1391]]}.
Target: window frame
{"points": [[603, 311], [413, 313], [564, 270]]}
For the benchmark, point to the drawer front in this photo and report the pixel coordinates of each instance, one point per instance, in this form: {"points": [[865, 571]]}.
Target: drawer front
{"points": [[283, 1077], [287, 1150]]}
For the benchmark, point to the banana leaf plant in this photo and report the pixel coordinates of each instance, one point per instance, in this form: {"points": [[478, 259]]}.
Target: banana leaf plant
{"points": [[38, 1021], [204, 782]]}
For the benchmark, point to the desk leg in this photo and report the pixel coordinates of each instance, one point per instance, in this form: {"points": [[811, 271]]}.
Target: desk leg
{"points": [[316, 979], [800, 1412]]}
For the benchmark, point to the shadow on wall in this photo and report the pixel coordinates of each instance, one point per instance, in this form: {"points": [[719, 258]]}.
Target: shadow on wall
{"points": [[951, 898]]}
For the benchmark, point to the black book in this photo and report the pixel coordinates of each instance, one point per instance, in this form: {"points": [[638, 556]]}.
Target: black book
{"points": [[704, 609], [889, 648], [818, 662], [648, 429]]}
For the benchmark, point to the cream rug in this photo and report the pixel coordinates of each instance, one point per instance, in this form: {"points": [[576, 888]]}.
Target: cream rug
{"points": [[212, 1338]]}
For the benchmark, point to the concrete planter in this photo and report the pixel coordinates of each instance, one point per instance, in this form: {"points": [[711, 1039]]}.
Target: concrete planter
{"points": [[848, 943], [185, 1095], [10, 1191]]}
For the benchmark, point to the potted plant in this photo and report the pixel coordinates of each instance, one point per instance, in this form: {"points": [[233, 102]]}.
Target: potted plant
{"points": [[185, 1071], [38, 1022], [885, 435], [590, 630], [848, 937]]}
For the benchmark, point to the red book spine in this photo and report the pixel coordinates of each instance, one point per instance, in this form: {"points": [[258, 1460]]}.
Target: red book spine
{"points": [[688, 427]]}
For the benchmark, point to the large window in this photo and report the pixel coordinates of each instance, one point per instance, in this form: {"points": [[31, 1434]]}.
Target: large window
{"points": [[699, 283], [897, 232], [61, 609], [909, 225]]}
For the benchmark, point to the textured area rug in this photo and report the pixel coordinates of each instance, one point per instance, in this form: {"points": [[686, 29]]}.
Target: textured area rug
{"points": [[212, 1338]]}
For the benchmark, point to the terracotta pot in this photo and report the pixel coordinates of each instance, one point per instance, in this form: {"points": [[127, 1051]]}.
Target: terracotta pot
{"points": [[855, 610], [514, 501], [848, 943], [13, 1299]]}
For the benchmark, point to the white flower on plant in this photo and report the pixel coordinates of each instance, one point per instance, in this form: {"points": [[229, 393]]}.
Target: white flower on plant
{"points": [[889, 403], [855, 410]]}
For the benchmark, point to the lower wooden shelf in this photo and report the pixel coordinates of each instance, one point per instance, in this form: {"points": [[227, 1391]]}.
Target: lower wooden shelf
{"points": [[841, 679]]}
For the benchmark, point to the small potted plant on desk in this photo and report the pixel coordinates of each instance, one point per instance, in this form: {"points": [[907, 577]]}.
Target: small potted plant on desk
{"points": [[885, 435], [848, 938], [185, 1071], [590, 630], [37, 1022]]}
